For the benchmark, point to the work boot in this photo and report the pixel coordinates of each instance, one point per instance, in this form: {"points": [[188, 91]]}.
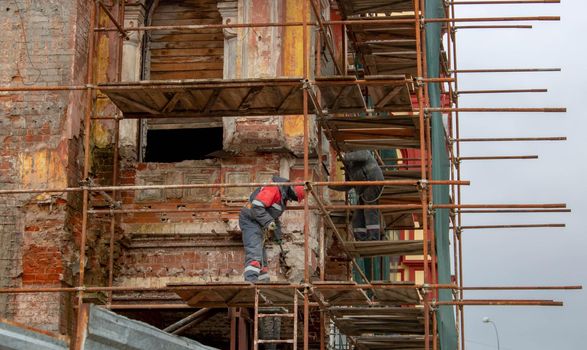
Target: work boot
{"points": [[252, 271], [264, 275]]}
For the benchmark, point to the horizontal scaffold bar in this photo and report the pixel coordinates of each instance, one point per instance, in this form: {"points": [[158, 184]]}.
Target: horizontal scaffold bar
{"points": [[505, 2], [508, 139], [322, 285], [506, 211], [498, 157], [506, 70], [495, 27], [225, 185], [481, 227], [498, 109], [513, 91], [364, 21]]}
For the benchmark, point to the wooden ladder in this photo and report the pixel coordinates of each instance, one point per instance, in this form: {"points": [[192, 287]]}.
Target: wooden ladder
{"points": [[293, 315]]}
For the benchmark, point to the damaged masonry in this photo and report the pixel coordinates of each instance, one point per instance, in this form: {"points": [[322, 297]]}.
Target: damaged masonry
{"points": [[134, 132]]}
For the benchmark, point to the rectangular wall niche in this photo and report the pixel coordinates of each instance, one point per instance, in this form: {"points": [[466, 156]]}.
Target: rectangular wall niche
{"points": [[176, 145]]}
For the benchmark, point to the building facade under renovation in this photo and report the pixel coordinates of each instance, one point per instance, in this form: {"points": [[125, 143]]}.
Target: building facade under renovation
{"points": [[133, 132]]}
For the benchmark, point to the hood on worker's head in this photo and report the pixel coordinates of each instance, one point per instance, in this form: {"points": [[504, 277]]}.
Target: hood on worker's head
{"points": [[300, 193], [292, 193], [287, 191], [298, 190]]}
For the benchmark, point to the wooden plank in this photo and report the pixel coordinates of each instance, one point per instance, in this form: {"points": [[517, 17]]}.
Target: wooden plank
{"points": [[187, 52], [200, 44], [179, 67], [199, 74]]}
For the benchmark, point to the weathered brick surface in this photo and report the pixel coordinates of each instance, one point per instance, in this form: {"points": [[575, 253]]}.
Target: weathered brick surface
{"points": [[42, 43]]}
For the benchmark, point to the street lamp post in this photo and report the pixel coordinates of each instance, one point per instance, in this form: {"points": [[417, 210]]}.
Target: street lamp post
{"points": [[488, 320]]}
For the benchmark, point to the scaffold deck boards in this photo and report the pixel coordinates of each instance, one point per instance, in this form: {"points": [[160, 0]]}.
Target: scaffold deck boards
{"points": [[236, 294], [344, 293], [361, 7], [390, 342], [345, 94], [358, 133], [384, 248], [385, 48]]}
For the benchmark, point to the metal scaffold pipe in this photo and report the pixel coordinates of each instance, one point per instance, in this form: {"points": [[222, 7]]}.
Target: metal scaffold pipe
{"points": [[228, 185]]}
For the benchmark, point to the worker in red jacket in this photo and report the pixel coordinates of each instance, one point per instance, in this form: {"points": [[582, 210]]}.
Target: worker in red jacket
{"points": [[260, 216]]}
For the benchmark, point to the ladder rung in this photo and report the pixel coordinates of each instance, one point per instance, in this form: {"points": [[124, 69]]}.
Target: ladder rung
{"points": [[275, 315], [276, 341]]}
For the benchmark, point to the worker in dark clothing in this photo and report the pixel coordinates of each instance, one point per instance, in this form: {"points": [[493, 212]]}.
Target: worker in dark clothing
{"points": [[362, 166], [258, 219]]}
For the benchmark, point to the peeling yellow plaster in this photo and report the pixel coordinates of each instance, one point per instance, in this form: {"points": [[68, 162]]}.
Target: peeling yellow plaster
{"points": [[293, 60], [101, 136], [103, 59], [45, 168]]}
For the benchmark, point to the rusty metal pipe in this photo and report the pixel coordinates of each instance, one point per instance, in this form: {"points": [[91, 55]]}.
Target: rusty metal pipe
{"points": [[515, 211], [89, 102], [487, 302], [318, 14], [495, 27], [47, 88], [507, 139], [369, 21], [498, 157], [480, 227], [509, 110], [225, 185], [514, 91], [505, 2], [507, 70], [113, 19], [334, 286]]}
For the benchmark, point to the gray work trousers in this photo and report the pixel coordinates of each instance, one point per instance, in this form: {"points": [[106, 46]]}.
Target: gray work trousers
{"points": [[253, 241], [366, 223]]}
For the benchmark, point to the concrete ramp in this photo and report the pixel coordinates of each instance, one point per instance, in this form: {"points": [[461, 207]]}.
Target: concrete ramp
{"points": [[18, 337], [106, 330]]}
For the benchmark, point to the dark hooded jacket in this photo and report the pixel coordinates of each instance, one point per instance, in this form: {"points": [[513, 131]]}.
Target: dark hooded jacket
{"points": [[268, 203]]}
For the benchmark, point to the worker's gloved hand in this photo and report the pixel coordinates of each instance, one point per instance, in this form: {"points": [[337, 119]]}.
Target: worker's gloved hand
{"points": [[271, 226]]}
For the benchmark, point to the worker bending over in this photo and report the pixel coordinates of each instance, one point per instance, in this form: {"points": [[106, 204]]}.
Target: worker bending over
{"points": [[362, 166], [259, 220]]}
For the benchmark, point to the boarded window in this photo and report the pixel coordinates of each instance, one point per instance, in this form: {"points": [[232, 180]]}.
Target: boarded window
{"points": [[176, 55]]}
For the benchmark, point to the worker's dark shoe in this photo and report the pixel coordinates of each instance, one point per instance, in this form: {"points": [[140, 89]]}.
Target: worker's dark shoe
{"points": [[252, 271], [264, 275]]}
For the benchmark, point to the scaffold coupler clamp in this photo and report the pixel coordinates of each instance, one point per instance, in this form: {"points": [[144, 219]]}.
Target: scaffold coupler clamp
{"points": [[458, 230], [419, 81], [433, 305], [455, 96], [422, 184], [422, 21], [86, 183], [431, 209], [306, 84], [427, 114], [425, 289]]}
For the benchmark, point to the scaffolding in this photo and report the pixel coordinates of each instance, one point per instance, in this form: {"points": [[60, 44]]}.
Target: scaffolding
{"points": [[401, 114]]}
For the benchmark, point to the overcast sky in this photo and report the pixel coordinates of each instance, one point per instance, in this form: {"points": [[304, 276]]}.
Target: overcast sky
{"points": [[543, 256]]}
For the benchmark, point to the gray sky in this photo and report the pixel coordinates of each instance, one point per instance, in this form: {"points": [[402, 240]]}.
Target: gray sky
{"points": [[544, 256]]}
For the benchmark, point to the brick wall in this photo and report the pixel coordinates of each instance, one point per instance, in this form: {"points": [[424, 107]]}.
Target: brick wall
{"points": [[197, 246], [42, 43]]}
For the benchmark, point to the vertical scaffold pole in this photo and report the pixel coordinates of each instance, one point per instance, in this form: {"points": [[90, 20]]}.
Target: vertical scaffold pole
{"points": [[120, 46], [458, 168], [423, 156], [305, 57], [86, 170]]}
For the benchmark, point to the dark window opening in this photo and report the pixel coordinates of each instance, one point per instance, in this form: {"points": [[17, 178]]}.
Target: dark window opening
{"points": [[176, 145]]}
